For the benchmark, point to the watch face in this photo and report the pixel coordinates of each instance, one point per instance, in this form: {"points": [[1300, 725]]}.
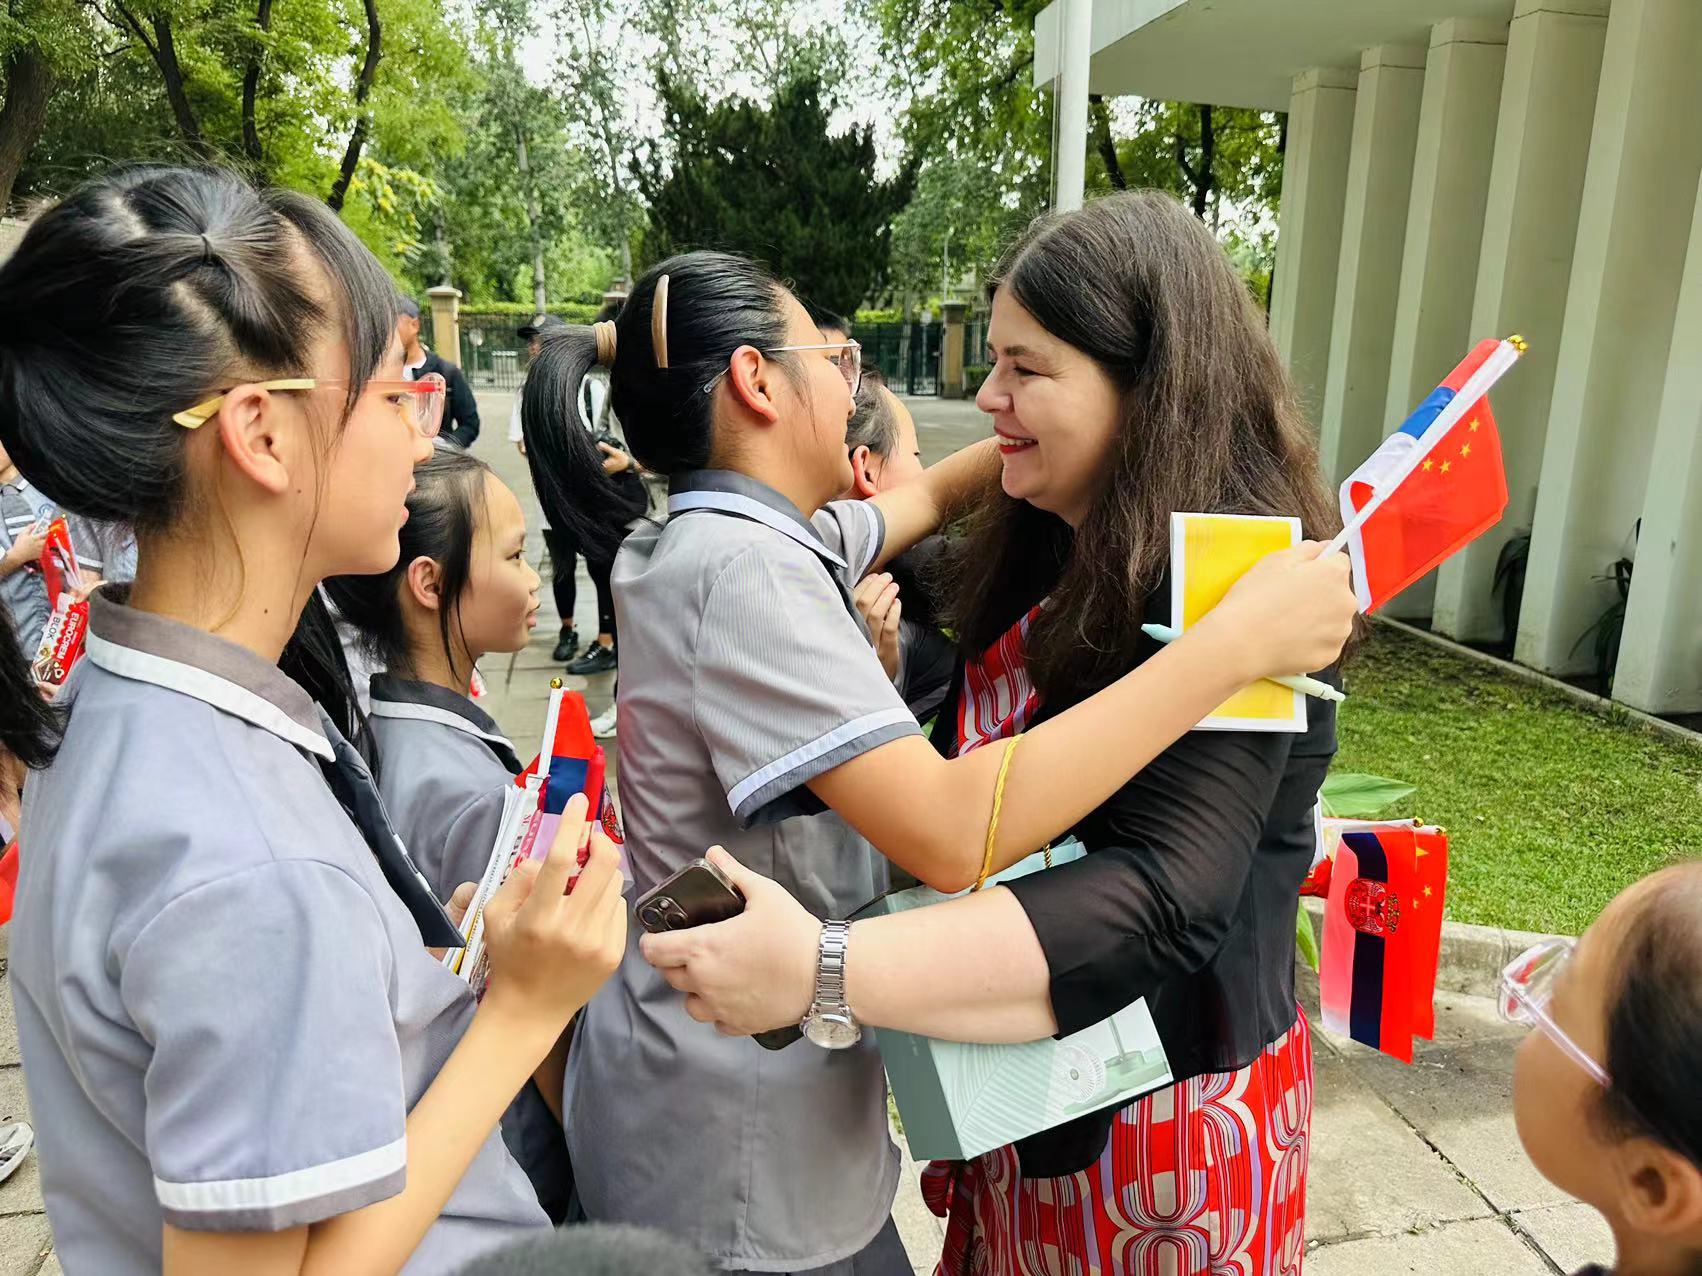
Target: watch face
{"points": [[832, 1030]]}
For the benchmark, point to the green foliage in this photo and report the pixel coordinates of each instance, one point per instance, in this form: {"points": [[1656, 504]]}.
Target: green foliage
{"points": [[1550, 809], [773, 182], [1305, 939], [1347, 796]]}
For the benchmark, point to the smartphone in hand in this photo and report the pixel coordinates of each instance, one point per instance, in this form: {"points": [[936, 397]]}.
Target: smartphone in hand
{"points": [[699, 895]]}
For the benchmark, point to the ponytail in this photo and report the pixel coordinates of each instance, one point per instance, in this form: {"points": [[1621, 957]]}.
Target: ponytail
{"points": [[578, 499]]}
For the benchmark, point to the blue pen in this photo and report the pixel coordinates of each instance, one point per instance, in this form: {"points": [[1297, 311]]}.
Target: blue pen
{"points": [[1306, 686]]}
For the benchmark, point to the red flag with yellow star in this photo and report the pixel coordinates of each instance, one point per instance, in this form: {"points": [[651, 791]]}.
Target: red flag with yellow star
{"points": [[1430, 891], [1433, 486]]}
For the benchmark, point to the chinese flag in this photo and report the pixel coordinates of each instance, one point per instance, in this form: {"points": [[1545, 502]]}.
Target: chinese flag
{"points": [[1430, 889], [1440, 478]]}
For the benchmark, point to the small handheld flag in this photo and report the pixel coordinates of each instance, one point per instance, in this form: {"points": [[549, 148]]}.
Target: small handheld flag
{"points": [[1434, 485]]}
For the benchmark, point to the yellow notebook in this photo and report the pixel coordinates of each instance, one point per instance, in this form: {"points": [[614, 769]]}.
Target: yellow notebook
{"points": [[1208, 554]]}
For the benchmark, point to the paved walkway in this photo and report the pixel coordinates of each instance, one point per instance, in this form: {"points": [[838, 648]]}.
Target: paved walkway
{"points": [[1414, 1169]]}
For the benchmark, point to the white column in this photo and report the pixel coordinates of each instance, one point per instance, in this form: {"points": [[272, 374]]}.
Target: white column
{"points": [[1076, 41], [1530, 227], [1660, 654], [1633, 228], [1374, 218], [1450, 184], [1320, 133]]}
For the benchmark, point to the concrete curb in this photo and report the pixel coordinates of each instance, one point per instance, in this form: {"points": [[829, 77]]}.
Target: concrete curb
{"points": [[1473, 957], [1601, 706]]}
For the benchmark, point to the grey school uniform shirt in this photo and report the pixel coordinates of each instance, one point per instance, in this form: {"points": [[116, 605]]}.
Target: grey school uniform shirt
{"points": [[744, 674], [224, 1012], [443, 769]]}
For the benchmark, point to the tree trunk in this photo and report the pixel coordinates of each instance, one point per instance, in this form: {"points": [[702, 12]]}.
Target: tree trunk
{"points": [[1205, 180], [164, 52], [363, 89], [29, 88], [1099, 116], [251, 86], [1282, 150], [539, 293]]}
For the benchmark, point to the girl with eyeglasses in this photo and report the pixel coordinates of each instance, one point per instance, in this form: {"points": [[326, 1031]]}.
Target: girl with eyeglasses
{"points": [[1605, 1089], [755, 715], [240, 1051]]}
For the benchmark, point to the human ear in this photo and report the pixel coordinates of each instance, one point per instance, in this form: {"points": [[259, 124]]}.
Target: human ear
{"points": [[425, 582], [1662, 1190], [865, 472], [251, 431], [751, 378]]}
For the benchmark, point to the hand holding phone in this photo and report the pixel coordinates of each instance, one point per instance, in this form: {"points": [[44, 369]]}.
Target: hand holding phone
{"points": [[700, 895]]}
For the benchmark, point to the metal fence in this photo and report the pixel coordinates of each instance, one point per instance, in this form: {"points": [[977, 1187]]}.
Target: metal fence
{"points": [[908, 353], [492, 353]]}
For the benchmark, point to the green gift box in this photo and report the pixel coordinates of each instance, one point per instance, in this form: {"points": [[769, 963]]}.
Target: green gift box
{"points": [[958, 1100]]}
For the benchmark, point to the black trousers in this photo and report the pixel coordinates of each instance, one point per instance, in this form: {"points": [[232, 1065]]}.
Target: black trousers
{"points": [[564, 562], [599, 573]]}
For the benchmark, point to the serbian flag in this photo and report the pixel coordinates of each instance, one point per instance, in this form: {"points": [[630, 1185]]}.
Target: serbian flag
{"points": [[1434, 485], [1368, 979], [571, 762]]}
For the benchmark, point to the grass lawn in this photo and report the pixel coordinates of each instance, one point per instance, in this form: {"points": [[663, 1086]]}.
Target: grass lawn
{"points": [[1550, 810]]}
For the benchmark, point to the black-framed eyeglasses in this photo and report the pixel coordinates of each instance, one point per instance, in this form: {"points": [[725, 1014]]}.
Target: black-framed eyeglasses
{"points": [[848, 358]]}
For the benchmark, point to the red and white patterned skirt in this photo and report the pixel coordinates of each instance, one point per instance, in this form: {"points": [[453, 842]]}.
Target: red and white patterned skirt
{"points": [[1205, 1178]]}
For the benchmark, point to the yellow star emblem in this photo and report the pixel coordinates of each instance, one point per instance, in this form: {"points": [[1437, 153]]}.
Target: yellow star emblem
{"points": [[1465, 449], [1446, 466], [1473, 426], [1428, 466], [1427, 892], [1420, 852]]}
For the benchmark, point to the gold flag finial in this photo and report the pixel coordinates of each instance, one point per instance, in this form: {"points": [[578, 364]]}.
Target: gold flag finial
{"points": [[555, 684], [1518, 343]]}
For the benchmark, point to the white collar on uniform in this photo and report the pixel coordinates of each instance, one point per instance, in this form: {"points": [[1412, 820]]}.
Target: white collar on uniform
{"points": [[394, 697], [147, 648], [729, 492]]}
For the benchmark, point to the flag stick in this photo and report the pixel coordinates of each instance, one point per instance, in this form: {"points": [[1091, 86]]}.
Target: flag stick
{"points": [[1476, 386]]}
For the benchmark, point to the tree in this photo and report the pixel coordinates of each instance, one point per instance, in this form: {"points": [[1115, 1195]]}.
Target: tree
{"points": [[43, 43], [772, 182]]}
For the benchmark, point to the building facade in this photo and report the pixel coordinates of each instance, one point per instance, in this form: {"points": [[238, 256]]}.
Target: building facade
{"points": [[1458, 169]]}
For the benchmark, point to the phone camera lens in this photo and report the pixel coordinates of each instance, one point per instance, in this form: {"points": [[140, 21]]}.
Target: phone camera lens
{"points": [[676, 917], [654, 915]]}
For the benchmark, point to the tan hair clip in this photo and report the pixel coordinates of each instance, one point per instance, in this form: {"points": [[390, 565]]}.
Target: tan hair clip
{"points": [[659, 322], [604, 331]]}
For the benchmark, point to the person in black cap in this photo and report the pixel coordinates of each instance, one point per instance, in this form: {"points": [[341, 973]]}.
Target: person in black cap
{"points": [[461, 413]]}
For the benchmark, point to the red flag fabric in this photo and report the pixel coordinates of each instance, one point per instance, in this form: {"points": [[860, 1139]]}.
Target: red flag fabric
{"points": [[1438, 481], [1430, 891], [8, 881], [1367, 971]]}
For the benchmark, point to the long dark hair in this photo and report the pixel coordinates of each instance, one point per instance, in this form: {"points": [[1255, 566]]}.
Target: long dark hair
{"points": [[717, 302], [144, 292], [1209, 422], [29, 725], [444, 512], [1654, 1025]]}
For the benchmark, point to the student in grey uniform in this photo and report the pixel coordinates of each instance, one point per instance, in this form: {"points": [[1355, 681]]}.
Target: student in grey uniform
{"points": [[238, 1049], [460, 588], [755, 715]]}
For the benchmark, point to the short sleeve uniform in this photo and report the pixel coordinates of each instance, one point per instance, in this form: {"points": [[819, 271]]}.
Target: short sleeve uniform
{"points": [[443, 770], [23, 593], [745, 673], [224, 1012]]}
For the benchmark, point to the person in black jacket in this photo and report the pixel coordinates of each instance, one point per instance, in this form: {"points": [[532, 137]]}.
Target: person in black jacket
{"points": [[1133, 377], [461, 413]]}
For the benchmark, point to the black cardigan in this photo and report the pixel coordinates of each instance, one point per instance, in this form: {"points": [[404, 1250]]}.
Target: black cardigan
{"points": [[1187, 897]]}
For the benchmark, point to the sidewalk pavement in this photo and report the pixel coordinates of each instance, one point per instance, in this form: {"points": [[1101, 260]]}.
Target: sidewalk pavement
{"points": [[1414, 1169]]}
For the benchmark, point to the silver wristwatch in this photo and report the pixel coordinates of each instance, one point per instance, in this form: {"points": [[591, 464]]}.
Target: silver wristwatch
{"points": [[829, 1023]]}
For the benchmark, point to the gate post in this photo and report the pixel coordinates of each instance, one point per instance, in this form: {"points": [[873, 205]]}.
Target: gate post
{"points": [[951, 349], [446, 322]]}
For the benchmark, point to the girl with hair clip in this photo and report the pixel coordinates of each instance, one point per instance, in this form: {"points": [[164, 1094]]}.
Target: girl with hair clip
{"points": [[461, 588], [241, 1052], [756, 715]]}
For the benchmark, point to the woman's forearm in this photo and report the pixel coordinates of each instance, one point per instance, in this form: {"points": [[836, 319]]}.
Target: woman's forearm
{"points": [[446, 1129], [930, 816], [986, 976]]}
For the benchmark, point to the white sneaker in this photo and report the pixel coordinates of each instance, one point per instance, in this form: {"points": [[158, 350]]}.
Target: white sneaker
{"points": [[603, 725], [16, 1140]]}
